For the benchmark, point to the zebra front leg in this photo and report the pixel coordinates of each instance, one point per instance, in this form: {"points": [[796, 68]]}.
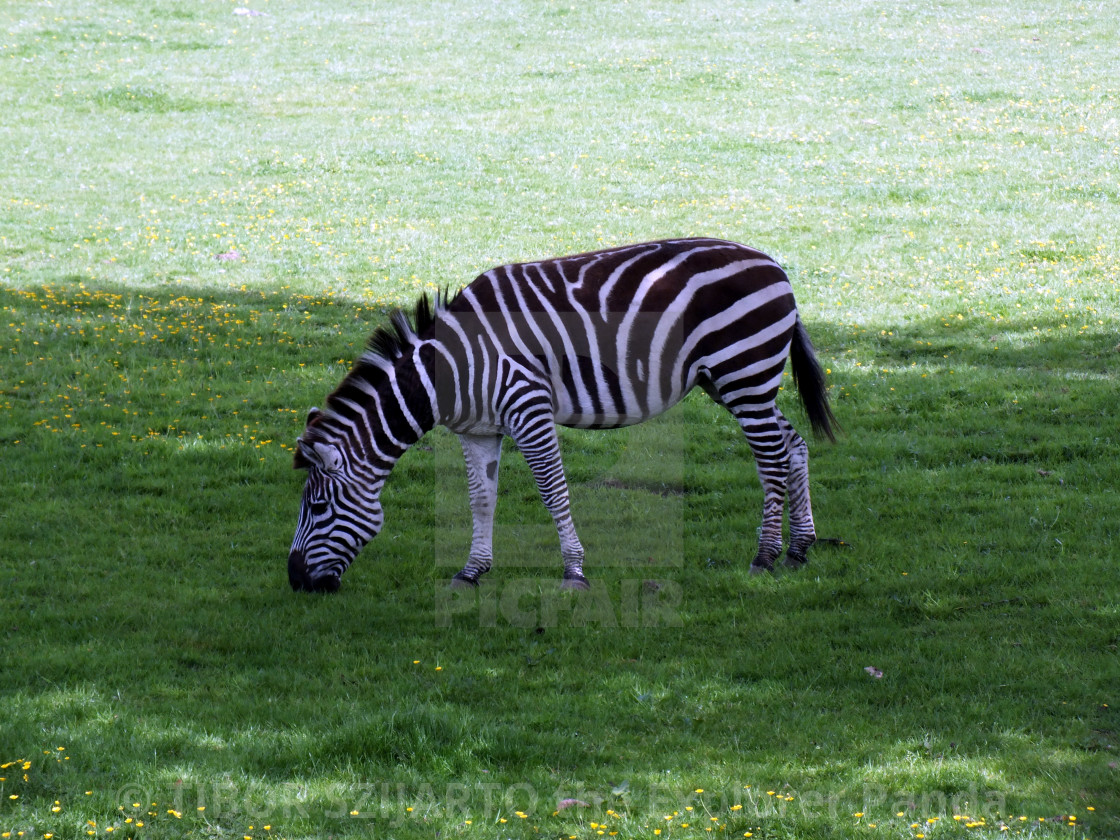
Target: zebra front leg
{"points": [[541, 448], [802, 533], [482, 454]]}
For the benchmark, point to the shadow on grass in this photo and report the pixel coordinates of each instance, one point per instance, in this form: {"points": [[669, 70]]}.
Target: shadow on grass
{"points": [[149, 629]]}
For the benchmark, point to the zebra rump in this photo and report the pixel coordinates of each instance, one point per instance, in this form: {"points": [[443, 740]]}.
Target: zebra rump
{"points": [[596, 340]]}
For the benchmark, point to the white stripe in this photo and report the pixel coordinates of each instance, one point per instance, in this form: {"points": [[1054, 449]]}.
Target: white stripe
{"points": [[754, 340], [405, 412], [583, 397], [629, 394], [742, 308], [441, 370], [426, 379], [608, 286]]}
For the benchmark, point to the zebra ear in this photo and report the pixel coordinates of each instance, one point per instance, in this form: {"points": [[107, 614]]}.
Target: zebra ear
{"points": [[321, 455], [313, 414], [304, 457]]}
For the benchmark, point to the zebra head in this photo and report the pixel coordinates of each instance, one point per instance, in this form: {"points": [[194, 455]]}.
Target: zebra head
{"points": [[339, 514]]}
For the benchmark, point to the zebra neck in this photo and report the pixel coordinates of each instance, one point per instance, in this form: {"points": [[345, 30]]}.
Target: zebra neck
{"points": [[383, 408], [443, 371], [402, 408]]}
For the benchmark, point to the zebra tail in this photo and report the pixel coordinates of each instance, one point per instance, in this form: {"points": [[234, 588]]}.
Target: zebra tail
{"points": [[808, 377]]}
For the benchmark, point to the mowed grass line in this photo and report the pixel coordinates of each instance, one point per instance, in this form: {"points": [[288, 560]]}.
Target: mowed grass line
{"points": [[204, 215]]}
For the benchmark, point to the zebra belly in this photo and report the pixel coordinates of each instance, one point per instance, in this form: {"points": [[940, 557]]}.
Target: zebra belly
{"points": [[599, 422], [576, 418], [476, 427]]}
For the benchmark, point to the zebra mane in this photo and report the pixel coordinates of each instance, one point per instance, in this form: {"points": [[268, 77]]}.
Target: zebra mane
{"points": [[390, 341]]}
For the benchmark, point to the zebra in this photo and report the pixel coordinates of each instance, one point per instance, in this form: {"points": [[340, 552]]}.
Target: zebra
{"points": [[597, 340]]}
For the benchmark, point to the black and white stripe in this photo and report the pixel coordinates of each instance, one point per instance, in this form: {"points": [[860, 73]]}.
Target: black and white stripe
{"points": [[599, 341]]}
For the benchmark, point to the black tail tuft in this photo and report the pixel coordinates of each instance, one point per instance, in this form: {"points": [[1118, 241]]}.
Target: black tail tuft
{"points": [[809, 379]]}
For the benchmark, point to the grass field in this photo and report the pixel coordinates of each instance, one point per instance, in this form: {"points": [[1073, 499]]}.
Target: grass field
{"points": [[203, 214]]}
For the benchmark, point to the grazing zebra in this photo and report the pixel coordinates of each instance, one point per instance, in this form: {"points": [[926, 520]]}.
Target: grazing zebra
{"points": [[596, 341]]}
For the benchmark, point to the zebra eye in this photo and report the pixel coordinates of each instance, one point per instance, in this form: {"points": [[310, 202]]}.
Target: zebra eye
{"points": [[320, 508]]}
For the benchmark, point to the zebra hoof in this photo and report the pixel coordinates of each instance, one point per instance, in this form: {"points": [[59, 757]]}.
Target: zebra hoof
{"points": [[795, 561], [576, 583], [760, 569], [463, 583]]}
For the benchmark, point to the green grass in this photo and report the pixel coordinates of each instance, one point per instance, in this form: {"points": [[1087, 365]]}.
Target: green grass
{"points": [[202, 216]]}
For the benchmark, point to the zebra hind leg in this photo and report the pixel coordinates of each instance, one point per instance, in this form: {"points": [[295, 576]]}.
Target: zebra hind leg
{"points": [[772, 458], [802, 533], [769, 443]]}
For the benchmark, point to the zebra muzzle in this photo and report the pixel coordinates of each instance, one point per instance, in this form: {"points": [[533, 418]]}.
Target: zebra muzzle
{"points": [[302, 580]]}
